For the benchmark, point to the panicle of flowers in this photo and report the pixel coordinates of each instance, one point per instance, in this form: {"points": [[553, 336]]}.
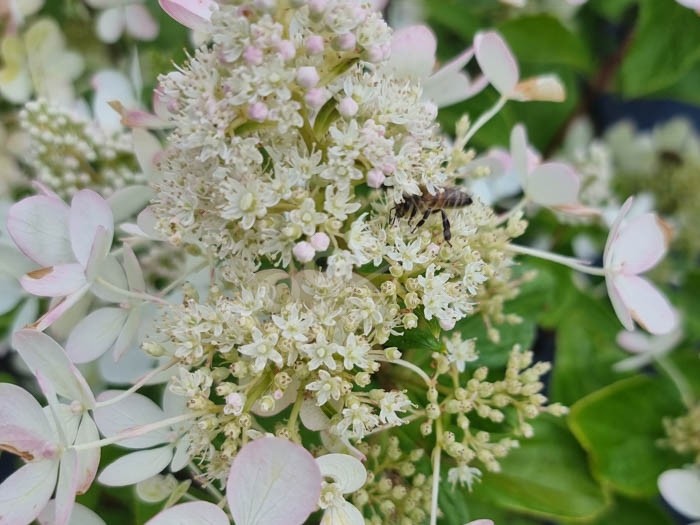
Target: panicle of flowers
{"points": [[68, 153], [683, 433], [511, 402], [395, 491]]}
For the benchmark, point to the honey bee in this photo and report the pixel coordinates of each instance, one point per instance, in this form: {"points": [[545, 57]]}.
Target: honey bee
{"points": [[427, 203]]}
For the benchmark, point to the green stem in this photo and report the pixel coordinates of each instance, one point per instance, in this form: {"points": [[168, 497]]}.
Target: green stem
{"points": [[484, 118], [576, 264], [678, 379], [437, 455]]}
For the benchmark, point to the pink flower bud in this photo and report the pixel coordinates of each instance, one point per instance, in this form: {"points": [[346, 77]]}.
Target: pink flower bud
{"points": [[348, 107], [307, 76], [375, 178], [314, 44], [257, 112], [303, 252], [345, 42], [389, 167], [253, 56], [320, 241], [374, 54], [277, 394], [315, 97], [286, 49], [447, 324], [317, 6]]}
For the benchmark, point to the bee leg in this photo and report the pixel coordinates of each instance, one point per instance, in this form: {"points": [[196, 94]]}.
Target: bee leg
{"points": [[446, 233], [422, 220]]}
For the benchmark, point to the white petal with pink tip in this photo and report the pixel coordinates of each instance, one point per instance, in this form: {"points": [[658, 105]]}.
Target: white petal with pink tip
{"points": [[413, 52], [25, 493], [640, 244], [39, 227], [42, 354], [88, 212], [497, 62], [194, 14], [200, 512], [24, 429], [273, 482], [646, 305], [135, 467], [130, 412]]}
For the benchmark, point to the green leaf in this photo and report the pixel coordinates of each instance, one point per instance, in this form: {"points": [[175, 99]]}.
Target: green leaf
{"points": [[547, 476], [611, 9], [585, 349], [543, 39], [620, 425], [665, 47], [634, 512]]}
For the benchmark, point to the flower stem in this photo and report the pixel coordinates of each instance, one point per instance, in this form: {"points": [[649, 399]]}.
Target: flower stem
{"points": [[136, 431], [678, 379], [128, 294], [437, 455], [576, 264], [410, 366], [484, 118], [137, 385]]}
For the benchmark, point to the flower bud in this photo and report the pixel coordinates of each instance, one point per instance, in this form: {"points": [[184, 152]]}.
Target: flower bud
{"points": [[307, 77], [257, 112], [303, 252], [375, 178], [286, 49], [253, 56], [348, 107], [315, 98], [345, 42], [314, 44], [320, 241]]}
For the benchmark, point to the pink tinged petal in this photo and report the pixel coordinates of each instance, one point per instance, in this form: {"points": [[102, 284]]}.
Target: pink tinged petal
{"points": [[615, 232], [519, 154], [89, 213], [132, 268], [480, 522], [446, 90], [140, 22], [647, 305], [273, 482], [134, 411], [66, 487], [129, 201], [553, 184], [111, 271], [26, 492], [95, 334], [39, 227], [312, 417], [24, 429], [348, 472], [88, 460], [10, 293], [129, 332], [640, 245], [110, 85], [135, 467], [55, 281], [137, 118], [623, 313], [194, 14], [497, 62], [81, 515], [680, 488], [544, 88], [181, 456], [110, 24], [413, 52], [147, 149], [636, 342], [200, 512], [42, 354], [59, 309], [345, 513]]}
